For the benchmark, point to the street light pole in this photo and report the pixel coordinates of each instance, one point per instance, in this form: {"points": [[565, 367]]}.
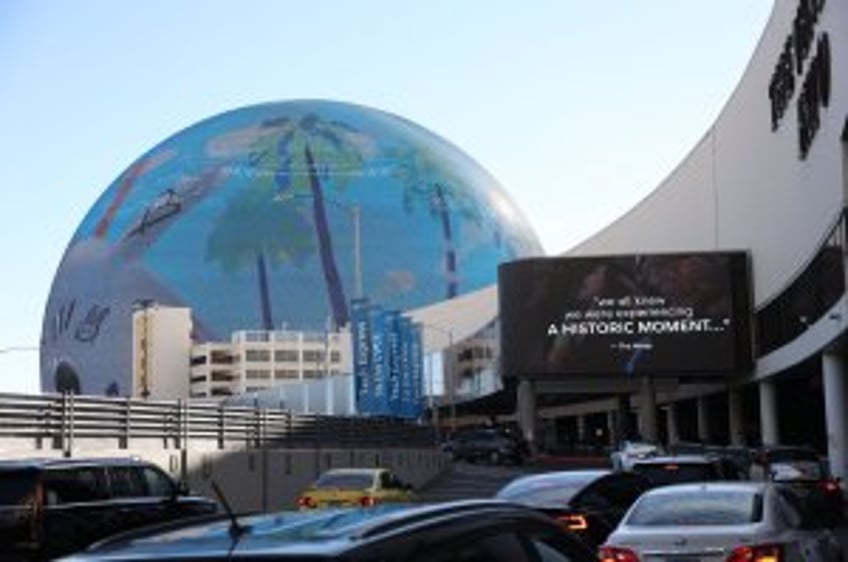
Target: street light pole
{"points": [[448, 373]]}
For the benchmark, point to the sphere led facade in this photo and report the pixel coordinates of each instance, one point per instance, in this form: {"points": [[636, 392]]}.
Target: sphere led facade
{"points": [[274, 217]]}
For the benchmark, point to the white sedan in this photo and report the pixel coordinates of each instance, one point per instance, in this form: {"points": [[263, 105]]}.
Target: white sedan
{"points": [[720, 522], [630, 452]]}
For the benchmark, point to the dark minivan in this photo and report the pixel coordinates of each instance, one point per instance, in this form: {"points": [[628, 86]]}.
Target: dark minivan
{"points": [[50, 507]]}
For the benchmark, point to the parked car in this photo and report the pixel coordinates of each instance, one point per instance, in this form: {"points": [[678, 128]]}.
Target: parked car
{"points": [[632, 451], [493, 445], [50, 507], [719, 522], [806, 470], [363, 487], [741, 456], [677, 469], [464, 531], [804, 459], [589, 503]]}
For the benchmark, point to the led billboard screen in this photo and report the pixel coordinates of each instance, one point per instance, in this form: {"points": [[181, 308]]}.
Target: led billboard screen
{"points": [[658, 314]]}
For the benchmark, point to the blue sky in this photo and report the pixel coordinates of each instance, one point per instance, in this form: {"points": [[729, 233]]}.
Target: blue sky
{"points": [[578, 108]]}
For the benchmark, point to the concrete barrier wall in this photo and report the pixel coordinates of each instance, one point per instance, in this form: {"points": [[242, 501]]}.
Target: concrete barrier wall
{"points": [[258, 479]]}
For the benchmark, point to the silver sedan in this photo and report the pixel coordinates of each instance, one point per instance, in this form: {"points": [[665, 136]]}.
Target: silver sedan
{"points": [[720, 522]]}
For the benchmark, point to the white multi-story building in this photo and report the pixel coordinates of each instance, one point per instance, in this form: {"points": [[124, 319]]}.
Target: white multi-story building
{"points": [[167, 364], [161, 349], [257, 360]]}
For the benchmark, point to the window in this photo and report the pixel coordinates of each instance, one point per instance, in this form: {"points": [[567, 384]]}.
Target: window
{"points": [[16, 486], [313, 355], [158, 483], [619, 489], [818, 287], [286, 355], [257, 355], [697, 508], [503, 546], [74, 485], [126, 482]]}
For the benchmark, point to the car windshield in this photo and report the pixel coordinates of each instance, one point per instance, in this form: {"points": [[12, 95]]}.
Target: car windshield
{"points": [[697, 507], [344, 480], [546, 489], [660, 474], [16, 486], [789, 455]]}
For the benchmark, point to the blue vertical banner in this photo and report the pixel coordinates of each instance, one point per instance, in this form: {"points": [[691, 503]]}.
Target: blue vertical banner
{"points": [[393, 337], [361, 341], [379, 360], [406, 375], [416, 359]]}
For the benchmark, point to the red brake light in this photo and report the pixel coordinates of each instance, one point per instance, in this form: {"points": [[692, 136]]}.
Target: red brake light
{"points": [[830, 486], [616, 554], [574, 522], [306, 502], [757, 553], [367, 501]]}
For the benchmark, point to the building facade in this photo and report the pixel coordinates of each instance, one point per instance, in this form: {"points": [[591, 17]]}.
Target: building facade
{"points": [[769, 178]]}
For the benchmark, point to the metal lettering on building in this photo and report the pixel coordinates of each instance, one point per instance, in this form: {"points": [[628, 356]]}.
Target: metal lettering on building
{"points": [[815, 88]]}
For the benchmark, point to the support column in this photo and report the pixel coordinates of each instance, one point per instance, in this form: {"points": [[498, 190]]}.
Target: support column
{"points": [[526, 398], [648, 411], [671, 423], [581, 429], [768, 413], [612, 427], [704, 433], [836, 413], [736, 422], [623, 416]]}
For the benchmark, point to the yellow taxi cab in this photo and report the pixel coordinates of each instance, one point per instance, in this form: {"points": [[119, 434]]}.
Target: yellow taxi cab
{"points": [[361, 487]]}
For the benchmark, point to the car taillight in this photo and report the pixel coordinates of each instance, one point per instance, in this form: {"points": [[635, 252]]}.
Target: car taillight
{"points": [[306, 502], [574, 522], [757, 553], [829, 486], [367, 501], [616, 554]]}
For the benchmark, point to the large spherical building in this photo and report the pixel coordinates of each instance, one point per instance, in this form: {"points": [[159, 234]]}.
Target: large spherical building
{"points": [[274, 217]]}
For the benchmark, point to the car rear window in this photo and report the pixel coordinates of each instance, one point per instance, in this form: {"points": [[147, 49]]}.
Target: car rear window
{"points": [[697, 508], [788, 455], [545, 489], [345, 481], [16, 486], [660, 474]]}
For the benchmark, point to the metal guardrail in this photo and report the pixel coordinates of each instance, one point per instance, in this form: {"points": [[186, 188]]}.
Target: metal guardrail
{"points": [[60, 420]]}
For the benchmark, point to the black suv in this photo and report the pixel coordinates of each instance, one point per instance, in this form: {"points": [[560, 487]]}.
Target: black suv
{"points": [[50, 507], [488, 444], [679, 469]]}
